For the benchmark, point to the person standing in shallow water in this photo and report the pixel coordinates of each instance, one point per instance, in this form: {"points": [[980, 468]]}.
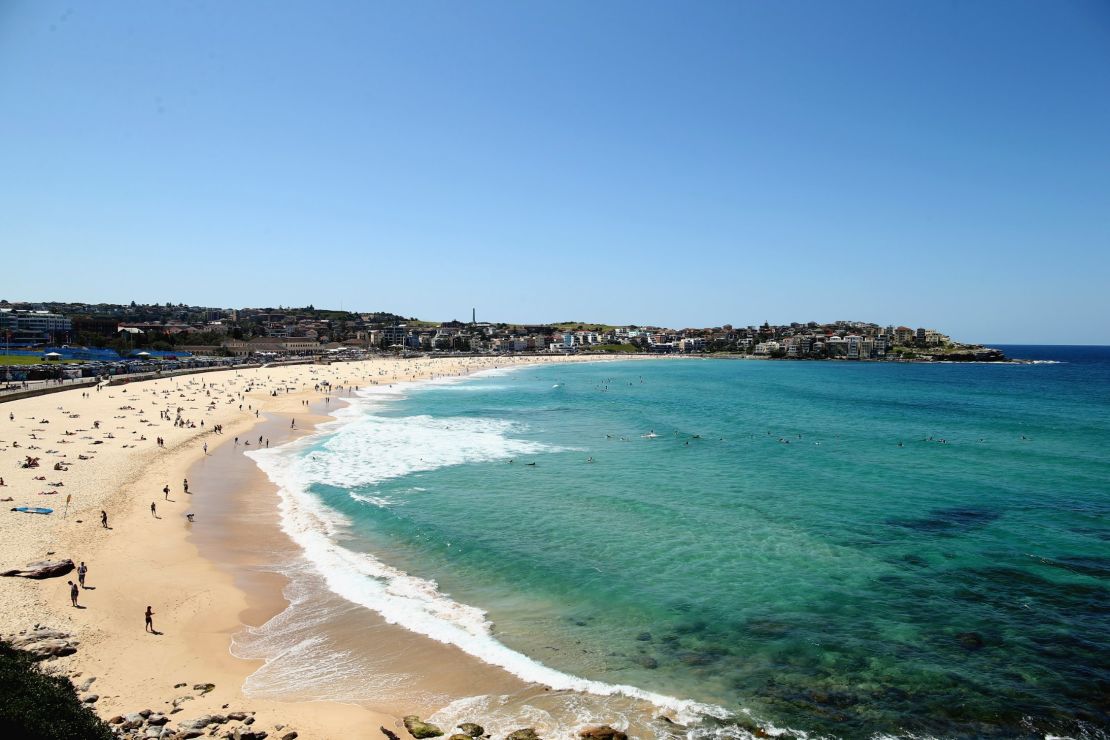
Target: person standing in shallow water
{"points": [[149, 619]]}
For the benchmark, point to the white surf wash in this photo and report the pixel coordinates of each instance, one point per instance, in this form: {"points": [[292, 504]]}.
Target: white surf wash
{"points": [[400, 446], [295, 653]]}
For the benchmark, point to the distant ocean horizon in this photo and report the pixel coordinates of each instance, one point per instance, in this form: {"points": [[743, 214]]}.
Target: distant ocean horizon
{"points": [[1048, 348], [841, 549]]}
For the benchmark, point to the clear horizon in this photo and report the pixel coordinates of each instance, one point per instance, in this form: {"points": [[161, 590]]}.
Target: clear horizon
{"points": [[638, 163]]}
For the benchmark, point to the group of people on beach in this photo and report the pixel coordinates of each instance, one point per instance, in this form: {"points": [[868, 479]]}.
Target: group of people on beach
{"points": [[82, 571], [74, 592], [172, 412]]}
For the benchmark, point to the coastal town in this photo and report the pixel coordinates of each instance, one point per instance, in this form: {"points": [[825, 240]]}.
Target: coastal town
{"points": [[51, 331]]}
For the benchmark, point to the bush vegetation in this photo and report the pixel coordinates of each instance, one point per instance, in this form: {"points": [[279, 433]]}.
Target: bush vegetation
{"points": [[36, 706], [614, 348]]}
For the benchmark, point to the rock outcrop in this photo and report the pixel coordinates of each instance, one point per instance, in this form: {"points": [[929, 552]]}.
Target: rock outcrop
{"points": [[602, 732], [43, 569], [45, 642], [419, 729], [151, 725], [202, 722]]}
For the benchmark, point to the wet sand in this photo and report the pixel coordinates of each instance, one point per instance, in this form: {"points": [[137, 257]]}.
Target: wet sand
{"points": [[422, 674]]}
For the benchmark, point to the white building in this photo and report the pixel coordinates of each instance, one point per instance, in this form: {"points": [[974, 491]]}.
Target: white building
{"points": [[34, 326]]}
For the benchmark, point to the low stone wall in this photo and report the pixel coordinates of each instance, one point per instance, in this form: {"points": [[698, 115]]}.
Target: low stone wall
{"points": [[15, 395], [138, 377]]}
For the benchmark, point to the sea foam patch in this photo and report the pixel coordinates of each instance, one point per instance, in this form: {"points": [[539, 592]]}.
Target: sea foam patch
{"points": [[298, 657], [374, 448]]}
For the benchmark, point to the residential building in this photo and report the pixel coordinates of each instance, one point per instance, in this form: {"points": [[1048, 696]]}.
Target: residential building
{"points": [[33, 326]]}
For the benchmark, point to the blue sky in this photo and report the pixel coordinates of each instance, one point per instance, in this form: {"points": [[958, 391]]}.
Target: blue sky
{"points": [[944, 164]]}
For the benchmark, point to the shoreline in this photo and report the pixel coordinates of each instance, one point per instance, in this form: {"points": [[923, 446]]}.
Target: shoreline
{"points": [[143, 560], [269, 564], [438, 678], [457, 674]]}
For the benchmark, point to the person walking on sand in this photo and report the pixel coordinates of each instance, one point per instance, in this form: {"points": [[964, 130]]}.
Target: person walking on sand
{"points": [[81, 571], [149, 619], [205, 448], [103, 518], [153, 510], [72, 592], [185, 485], [166, 491]]}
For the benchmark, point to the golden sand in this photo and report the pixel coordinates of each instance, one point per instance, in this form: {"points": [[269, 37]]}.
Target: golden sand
{"points": [[143, 560]]}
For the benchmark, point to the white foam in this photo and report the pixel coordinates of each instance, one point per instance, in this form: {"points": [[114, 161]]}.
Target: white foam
{"points": [[370, 448], [382, 502], [296, 654]]}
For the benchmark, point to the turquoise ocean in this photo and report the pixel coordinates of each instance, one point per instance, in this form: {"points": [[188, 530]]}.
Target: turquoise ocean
{"points": [[842, 549]]}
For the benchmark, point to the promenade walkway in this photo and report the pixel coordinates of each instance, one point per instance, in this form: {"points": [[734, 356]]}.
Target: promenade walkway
{"points": [[14, 390], [23, 388]]}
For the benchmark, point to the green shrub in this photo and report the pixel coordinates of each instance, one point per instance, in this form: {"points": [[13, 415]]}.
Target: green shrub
{"points": [[613, 348], [35, 706]]}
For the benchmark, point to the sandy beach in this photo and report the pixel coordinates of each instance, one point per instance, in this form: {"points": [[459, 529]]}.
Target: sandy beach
{"points": [[200, 578]]}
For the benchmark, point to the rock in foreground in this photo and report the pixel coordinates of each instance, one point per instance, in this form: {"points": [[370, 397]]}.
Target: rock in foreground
{"points": [[45, 642], [42, 569], [602, 732], [419, 729]]}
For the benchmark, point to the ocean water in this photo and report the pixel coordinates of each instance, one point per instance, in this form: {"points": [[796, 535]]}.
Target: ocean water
{"points": [[841, 549]]}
